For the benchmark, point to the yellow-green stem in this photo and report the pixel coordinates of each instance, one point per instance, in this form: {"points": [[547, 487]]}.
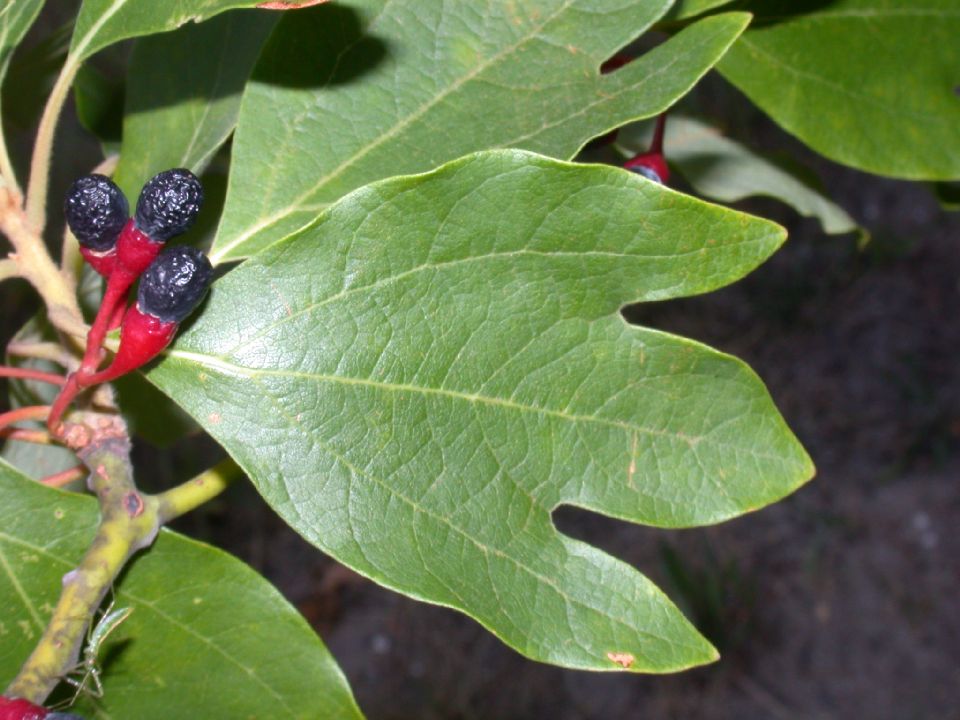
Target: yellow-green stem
{"points": [[129, 522], [207, 485]]}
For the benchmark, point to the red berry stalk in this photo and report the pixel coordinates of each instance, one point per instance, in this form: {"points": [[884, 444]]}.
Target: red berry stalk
{"points": [[651, 164]]}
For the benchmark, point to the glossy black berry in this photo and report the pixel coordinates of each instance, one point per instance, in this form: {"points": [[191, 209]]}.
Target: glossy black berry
{"points": [[168, 204], [96, 211], [175, 283]]}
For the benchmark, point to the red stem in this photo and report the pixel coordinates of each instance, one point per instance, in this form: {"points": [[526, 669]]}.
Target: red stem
{"points": [[28, 374], [38, 437], [66, 396], [656, 145], [30, 412], [65, 477], [116, 293]]}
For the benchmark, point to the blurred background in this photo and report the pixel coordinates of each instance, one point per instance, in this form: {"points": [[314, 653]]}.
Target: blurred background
{"points": [[843, 601]]}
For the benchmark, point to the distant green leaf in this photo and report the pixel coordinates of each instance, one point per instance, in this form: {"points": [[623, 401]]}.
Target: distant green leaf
{"points": [[104, 22], [721, 169], [345, 96], [418, 379], [869, 83], [208, 637], [185, 88]]}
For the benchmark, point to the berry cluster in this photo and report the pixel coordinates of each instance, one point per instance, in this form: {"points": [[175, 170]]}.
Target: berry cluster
{"points": [[173, 281], [20, 709]]}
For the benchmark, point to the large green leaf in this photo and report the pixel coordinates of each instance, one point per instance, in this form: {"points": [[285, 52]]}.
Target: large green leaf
{"points": [[869, 83], [208, 637], [184, 87], [345, 96], [721, 169], [104, 22], [418, 379]]}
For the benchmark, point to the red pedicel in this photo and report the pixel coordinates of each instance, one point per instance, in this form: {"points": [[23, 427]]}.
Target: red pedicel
{"points": [[651, 161], [142, 338], [20, 709]]}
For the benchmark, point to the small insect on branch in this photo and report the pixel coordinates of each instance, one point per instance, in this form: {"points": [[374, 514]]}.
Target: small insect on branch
{"points": [[87, 669]]}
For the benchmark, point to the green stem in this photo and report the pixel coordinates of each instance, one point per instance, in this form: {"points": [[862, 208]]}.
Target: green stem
{"points": [[129, 522], [204, 487], [37, 187]]}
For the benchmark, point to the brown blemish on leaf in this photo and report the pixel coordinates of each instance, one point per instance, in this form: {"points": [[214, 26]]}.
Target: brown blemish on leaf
{"points": [[623, 659]]}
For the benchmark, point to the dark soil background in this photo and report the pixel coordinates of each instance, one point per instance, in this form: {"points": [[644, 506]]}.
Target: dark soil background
{"points": [[842, 601]]}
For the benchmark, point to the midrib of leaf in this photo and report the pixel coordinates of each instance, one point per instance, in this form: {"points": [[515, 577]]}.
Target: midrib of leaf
{"points": [[226, 367], [40, 550], [389, 134], [449, 264], [485, 549], [94, 29]]}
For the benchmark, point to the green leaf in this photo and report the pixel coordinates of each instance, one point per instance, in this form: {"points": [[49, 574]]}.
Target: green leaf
{"points": [[185, 87], [104, 22], [99, 101], [208, 637], [342, 97], [15, 19], [418, 379], [684, 9], [722, 169], [869, 83]]}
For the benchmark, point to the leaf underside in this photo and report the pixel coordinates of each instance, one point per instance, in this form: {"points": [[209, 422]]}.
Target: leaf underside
{"points": [[415, 381], [208, 637]]}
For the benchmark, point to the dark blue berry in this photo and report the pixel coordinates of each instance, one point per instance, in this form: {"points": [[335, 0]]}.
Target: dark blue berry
{"points": [[647, 172], [62, 716], [175, 283], [96, 211], [168, 204]]}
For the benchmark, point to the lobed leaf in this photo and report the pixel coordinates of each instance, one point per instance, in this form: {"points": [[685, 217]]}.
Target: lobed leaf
{"points": [[343, 96], [869, 83], [208, 637], [722, 169], [416, 380]]}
